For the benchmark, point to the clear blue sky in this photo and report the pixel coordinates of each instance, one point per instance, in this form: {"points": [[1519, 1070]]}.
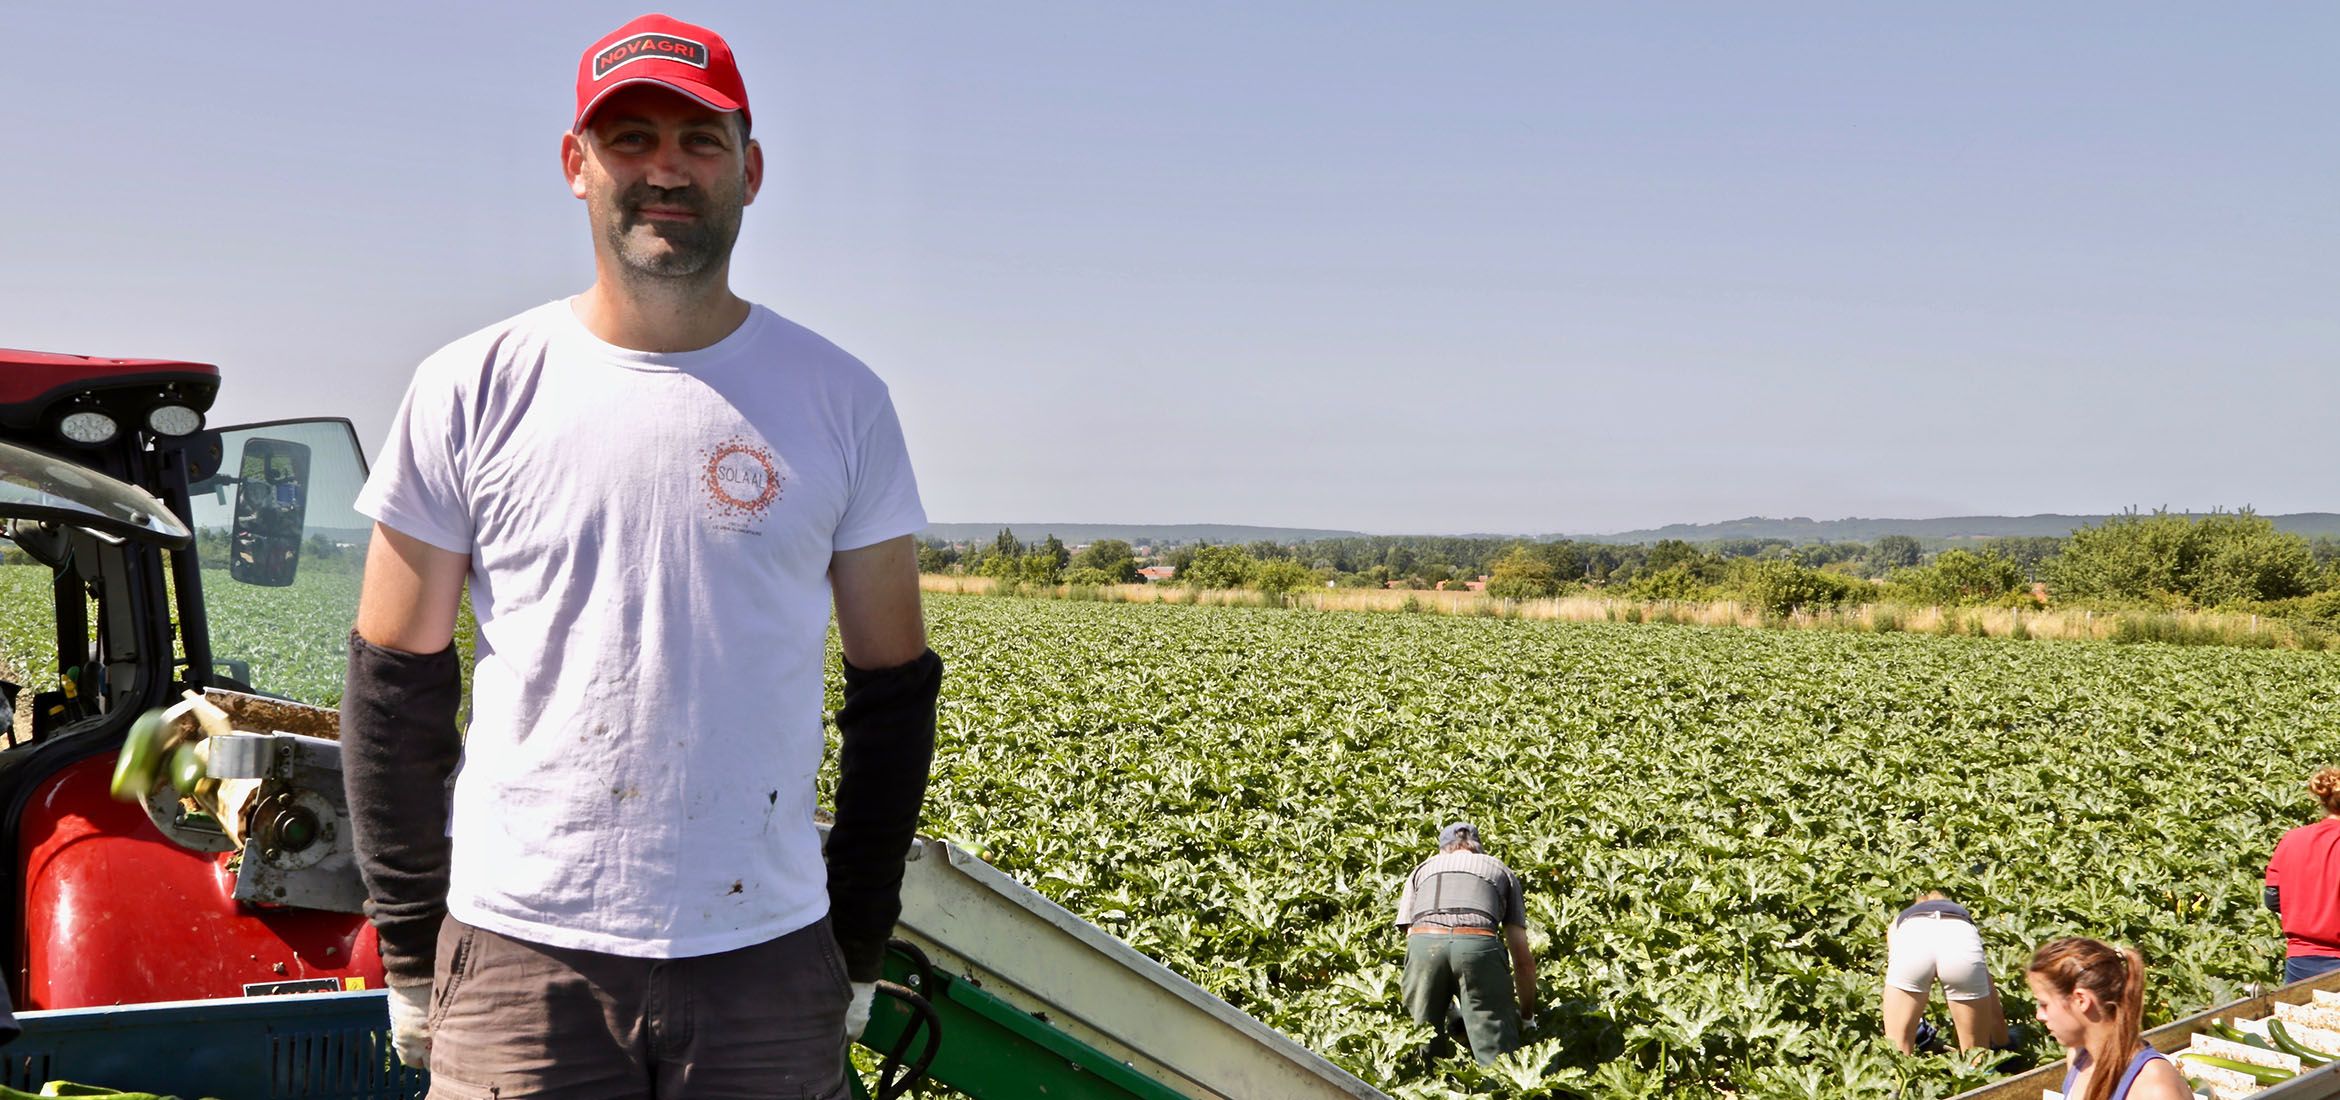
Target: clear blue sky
{"points": [[1524, 268]]}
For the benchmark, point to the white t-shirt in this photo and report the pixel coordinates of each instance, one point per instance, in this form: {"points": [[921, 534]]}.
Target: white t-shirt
{"points": [[650, 538]]}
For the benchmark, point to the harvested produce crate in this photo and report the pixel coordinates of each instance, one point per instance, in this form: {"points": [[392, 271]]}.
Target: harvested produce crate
{"points": [[310, 1046]]}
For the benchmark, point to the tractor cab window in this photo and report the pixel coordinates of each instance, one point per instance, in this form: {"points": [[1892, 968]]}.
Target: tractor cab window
{"points": [[282, 552], [31, 595], [62, 529]]}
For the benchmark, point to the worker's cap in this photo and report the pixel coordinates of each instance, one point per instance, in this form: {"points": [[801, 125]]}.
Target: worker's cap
{"points": [[661, 50], [1459, 831]]}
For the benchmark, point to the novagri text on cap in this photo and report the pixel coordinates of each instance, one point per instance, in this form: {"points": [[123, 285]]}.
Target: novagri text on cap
{"points": [[661, 50], [649, 47]]}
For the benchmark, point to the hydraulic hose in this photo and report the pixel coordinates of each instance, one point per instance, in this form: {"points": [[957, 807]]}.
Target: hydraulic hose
{"points": [[897, 1075]]}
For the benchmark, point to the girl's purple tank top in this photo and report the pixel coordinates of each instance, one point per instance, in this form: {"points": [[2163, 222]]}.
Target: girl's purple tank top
{"points": [[2120, 1091]]}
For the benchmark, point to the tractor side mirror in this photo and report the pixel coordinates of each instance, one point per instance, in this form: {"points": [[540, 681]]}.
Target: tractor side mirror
{"points": [[272, 503]]}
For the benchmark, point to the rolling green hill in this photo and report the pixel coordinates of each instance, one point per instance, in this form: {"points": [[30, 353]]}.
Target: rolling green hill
{"points": [[1136, 533], [1801, 530]]}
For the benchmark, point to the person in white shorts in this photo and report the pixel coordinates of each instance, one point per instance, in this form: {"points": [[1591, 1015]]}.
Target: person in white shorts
{"points": [[1935, 939]]}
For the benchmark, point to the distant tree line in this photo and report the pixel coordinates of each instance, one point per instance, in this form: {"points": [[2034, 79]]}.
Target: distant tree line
{"points": [[2160, 560], [1105, 561]]}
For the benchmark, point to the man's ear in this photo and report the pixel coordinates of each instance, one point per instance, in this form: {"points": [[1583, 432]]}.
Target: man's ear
{"points": [[755, 171], [573, 162]]}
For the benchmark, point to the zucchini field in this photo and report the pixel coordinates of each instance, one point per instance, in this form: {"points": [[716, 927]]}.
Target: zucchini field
{"points": [[28, 638], [291, 638], [1714, 825]]}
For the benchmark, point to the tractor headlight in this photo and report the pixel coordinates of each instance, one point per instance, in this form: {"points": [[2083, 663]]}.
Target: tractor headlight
{"points": [[88, 427], [174, 420]]}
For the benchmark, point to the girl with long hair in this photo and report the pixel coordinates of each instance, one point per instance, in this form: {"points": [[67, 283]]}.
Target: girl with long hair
{"points": [[2091, 997]]}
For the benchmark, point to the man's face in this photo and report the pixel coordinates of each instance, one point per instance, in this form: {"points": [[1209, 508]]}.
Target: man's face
{"points": [[664, 179]]}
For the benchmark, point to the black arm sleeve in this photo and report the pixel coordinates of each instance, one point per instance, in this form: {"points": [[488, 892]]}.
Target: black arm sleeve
{"points": [[2274, 901], [399, 745], [886, 745]]}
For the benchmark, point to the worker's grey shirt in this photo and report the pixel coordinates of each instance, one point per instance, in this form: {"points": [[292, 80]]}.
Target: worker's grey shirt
{"points": [[1462, 888]]}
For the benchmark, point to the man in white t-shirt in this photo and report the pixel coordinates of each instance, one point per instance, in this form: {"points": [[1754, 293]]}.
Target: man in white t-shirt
{"points": [[655, 491]]}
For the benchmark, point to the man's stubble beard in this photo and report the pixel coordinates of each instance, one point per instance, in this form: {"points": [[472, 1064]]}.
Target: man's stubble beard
{"points": [[678, 252]]}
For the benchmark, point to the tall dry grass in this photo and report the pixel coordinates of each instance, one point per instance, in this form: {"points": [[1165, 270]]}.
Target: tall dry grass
{"points": [[2056, 624]]}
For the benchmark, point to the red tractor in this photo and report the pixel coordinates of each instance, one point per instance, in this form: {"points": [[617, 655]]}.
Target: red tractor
{"points": [[144, 555]]}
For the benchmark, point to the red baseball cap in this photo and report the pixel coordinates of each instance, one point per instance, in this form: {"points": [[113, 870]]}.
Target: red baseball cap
{"points": [[662, 50]]}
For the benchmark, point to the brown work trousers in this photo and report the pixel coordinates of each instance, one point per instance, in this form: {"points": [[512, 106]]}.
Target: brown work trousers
{"points": [[512, 1019]]}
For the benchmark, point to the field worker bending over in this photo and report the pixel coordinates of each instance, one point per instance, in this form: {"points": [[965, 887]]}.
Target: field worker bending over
{"points": [[1466, 940], [1935, 939], [2303, 886], [655, 491]]}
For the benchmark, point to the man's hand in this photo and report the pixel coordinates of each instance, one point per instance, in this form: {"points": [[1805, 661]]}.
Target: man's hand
{"points": [[1523, 968], [410, 1023], [857, 1010]]}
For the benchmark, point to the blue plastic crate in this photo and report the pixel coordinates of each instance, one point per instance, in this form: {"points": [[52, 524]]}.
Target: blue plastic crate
{"points": [[311, 1046]]}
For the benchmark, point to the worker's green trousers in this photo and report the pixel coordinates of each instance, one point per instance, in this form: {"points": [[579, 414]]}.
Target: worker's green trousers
{"points": [[1476, 970]]}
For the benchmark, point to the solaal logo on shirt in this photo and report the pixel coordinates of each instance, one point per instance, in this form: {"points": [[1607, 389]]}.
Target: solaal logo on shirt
{"points": [[740, 480]]}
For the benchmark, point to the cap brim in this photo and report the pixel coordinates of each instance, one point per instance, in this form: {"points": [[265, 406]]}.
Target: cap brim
{"points": [[706, 96]]}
